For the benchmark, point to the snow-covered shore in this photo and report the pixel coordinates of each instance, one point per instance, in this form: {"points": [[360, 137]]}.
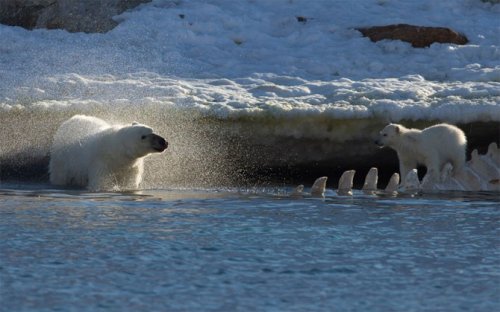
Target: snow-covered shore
{"points": [[253, 68]]}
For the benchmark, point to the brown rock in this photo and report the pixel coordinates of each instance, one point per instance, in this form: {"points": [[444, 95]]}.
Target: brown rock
{"points": [[418, 36]]}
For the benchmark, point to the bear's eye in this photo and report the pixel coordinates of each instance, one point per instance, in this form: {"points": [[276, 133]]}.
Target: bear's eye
{"points": [[143, 137], [385, 134]]}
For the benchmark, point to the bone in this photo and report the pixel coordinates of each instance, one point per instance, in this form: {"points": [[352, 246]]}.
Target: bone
{"points": [[428, 183], [298, 191], [451, 182], [469, 179], [345, 183], [494, 185], [465, 180], [446, 172], [445, 180], [487, 167], [481, 173], [448, 181], [371, 181], [319, 186], [393, 184], [411, 182], [494, 154], [483, 166]]}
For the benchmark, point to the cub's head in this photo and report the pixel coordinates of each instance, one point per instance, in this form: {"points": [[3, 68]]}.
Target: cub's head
{"points": [[389, 135], [140, 140]]}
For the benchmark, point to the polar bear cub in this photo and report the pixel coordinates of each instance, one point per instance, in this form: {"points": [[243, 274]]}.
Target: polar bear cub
{"points": [[432, 147], [89, 152]]}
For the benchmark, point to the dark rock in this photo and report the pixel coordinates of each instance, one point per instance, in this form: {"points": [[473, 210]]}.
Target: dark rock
{"points": [[72, 15], [418, 36], [301, 19], [23, 13]]}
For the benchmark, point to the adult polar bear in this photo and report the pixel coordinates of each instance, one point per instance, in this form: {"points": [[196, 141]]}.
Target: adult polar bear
{"points": [[433, 147], [89, 152]]}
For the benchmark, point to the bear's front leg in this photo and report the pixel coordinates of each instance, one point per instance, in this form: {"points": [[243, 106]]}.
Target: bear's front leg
{"points": [[99, 179], [129, 177], [433, 165], [135, 176], [405, 166]]}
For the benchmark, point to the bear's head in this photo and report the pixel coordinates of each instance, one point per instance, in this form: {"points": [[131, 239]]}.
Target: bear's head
{"points": [[140, 140], [389, 135]]}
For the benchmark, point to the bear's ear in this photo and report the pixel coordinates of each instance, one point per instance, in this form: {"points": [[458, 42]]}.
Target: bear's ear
{"points": [[397, 129], [135, 123]]}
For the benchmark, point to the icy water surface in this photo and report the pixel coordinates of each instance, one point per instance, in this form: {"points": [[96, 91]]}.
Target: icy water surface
{"points": [[240, 251]]}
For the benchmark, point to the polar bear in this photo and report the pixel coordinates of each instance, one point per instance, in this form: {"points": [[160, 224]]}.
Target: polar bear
{"points": [[432, 147], [89, 152]]}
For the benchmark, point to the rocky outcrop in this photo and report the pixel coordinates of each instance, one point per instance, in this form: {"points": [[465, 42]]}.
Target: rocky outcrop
{"points": [[418, 36], [72, 15]]}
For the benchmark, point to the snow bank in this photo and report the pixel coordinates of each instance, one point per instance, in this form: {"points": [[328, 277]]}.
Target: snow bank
{"points": [[295, 66]]}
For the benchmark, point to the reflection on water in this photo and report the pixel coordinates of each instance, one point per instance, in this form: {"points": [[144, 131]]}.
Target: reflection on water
{"points": [[194, 250]]}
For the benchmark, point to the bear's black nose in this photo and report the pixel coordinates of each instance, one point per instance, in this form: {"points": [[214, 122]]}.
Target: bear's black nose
{"points": [[159, 143], [163, 143]]}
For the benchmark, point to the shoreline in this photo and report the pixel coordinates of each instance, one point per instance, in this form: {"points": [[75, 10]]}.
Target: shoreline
{"points": [[248, 154]]}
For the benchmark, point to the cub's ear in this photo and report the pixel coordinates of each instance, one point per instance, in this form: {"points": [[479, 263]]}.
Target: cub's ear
{"points": [[398, 130], [135, 123]]}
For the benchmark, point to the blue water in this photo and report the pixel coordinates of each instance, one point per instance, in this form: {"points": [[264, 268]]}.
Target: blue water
{"points": [[208, 250]]}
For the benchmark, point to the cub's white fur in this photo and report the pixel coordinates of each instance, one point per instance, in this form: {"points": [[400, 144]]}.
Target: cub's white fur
{"points": [[432, 147]]}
